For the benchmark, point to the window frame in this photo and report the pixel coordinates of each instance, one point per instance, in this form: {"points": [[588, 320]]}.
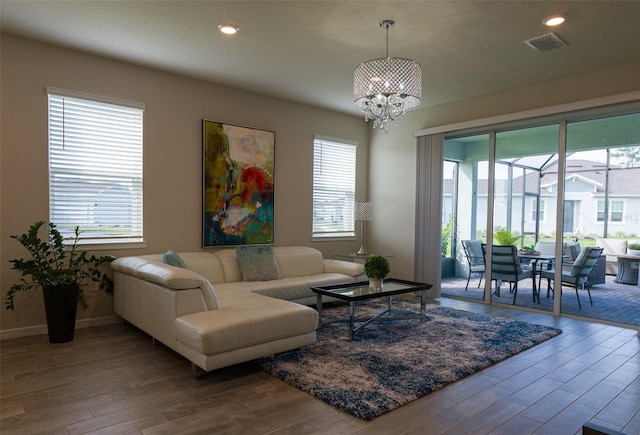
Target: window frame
{"points": [[542, 213], [345, 193], [76, 130], [600, 211]]}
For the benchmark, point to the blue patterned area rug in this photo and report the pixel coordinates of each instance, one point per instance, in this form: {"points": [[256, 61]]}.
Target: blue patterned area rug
{"points": [[392, 362]]}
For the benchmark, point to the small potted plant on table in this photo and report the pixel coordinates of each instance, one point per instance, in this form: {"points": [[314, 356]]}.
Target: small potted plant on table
{"points": [[376, 268], [61, 271], [634, 249]]}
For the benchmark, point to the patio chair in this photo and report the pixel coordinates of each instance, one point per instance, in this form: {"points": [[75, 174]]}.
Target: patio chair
{"points": [[475, 257], [505, 266], [545, 248], [578, 276]]}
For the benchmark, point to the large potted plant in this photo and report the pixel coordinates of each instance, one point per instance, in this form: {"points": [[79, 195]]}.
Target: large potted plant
{"points": [[376, 268], [504, 237], [61, 271], [447, 262]]}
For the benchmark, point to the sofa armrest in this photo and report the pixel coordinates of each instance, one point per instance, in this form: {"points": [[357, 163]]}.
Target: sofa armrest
{"points": [[169, 276], [172, 277], [344, 267]]}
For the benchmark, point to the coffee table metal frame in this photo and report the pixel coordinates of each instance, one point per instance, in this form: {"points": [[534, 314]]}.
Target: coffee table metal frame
{"points": [[358, 291]]}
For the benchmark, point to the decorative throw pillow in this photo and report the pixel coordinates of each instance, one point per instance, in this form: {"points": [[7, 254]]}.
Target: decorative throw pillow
{"points": [[173, 259], [257, 263]]}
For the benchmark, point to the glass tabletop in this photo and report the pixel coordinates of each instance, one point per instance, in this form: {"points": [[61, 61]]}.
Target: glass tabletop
{"points": [[361, 290]]}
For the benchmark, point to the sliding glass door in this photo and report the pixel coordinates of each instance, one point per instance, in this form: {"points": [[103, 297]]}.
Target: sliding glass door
{"points": [[602, 202], [524, 218], [550, 209]]}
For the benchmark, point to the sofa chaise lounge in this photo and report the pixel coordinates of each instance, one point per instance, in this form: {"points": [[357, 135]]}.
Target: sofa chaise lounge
{"points": [[206, 312]]}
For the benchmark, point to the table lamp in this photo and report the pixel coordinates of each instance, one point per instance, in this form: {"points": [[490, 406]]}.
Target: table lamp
{"points": [[363, 212]]}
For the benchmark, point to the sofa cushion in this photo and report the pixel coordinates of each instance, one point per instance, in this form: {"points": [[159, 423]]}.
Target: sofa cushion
{"points": [[299, 261], [612, 246], [172, 258], [254, 319], [577, 263], [573, 250], [205, 263], [230, 265], [257, 263], [547, 248]]}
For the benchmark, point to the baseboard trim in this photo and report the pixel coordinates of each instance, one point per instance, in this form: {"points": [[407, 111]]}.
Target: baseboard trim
{"points": [[42, 329]]}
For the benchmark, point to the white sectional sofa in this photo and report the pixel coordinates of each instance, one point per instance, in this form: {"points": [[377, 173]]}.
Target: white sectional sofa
{"points": [[208, 314]]}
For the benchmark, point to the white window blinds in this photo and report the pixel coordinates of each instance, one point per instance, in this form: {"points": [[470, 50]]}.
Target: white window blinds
{"points": [[334, 185], [95, 168]]}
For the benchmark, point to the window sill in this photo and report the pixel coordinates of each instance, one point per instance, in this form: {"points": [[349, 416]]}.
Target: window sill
{"points": [[331, 238], [109, 245]]}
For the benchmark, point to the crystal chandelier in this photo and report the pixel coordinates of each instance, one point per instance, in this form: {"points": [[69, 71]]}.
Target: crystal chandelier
{"points": [[385, 88]]}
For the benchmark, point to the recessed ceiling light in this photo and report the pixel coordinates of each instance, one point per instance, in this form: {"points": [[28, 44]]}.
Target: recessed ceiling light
{"points": [[228, 29], [555, 20]]}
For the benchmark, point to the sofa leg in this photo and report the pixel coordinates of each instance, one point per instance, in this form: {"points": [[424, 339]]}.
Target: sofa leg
{"points": [[197, 372]]}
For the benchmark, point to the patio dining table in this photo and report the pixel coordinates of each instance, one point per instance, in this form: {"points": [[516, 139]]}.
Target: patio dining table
{"points": [[535, 258]]}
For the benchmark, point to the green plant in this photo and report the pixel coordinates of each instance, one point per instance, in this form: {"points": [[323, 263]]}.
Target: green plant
{"points": [[634, 246], [377, 267], [446, 237], [52, 264], [503, 236]]}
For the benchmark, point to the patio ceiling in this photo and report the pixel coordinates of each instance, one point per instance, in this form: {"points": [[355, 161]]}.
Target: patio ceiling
{"points": [[536, 147]]}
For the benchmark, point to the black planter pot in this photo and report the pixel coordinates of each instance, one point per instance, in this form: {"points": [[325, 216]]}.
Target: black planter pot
{"points": [[61, 304], [447, 267]]}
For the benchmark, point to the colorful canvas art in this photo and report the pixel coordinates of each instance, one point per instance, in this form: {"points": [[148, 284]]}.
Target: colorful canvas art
{"points": [[238, 176]]}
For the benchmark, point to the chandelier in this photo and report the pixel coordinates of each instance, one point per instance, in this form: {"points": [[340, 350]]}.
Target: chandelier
{"points": [[385, 88]]}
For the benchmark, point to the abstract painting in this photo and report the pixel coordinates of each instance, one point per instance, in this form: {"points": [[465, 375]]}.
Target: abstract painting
{"points": [[238, 185]]}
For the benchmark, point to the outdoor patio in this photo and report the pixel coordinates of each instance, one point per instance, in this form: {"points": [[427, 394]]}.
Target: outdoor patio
{"points": [[612, 302]]}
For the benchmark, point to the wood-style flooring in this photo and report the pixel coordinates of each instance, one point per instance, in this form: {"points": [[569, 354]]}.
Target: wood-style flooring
{"points": [[113, 380]]}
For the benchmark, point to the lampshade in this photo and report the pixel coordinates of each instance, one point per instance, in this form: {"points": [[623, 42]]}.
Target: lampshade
{"points": [[387, 87], [363, 211]]}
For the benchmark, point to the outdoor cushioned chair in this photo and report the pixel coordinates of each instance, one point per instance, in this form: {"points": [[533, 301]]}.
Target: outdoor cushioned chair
{"points": [[505, 266], [547, 248], [475, 257], [578, 275]]}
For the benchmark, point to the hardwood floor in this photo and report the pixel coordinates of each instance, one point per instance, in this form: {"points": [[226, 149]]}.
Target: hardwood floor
{"points": [[112, 379]]}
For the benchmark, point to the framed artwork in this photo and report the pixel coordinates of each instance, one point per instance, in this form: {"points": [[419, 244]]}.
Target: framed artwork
{"points": [[238, 185]]}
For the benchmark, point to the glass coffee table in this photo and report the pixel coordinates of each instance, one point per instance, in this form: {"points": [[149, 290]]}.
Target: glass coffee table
{"points": [[359, 291]]}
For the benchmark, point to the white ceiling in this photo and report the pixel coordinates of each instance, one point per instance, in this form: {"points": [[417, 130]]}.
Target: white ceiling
{"points": [[306, 51]]}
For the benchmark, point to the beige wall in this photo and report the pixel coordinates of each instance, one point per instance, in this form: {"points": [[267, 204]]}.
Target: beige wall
{"points": [[392, 164], [175, 107], [172, 154]]}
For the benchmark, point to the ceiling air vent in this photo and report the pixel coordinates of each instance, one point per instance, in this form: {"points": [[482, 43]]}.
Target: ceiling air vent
{"points": [[547, 42]]}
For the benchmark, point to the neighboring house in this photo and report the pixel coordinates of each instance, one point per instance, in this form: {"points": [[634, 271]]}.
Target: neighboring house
{"points": [[584, 203], [101, 206], [585, 190]]}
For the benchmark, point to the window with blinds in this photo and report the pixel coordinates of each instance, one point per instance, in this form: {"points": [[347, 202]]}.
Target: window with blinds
{"points": [[334, 186], [95, 167]]}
